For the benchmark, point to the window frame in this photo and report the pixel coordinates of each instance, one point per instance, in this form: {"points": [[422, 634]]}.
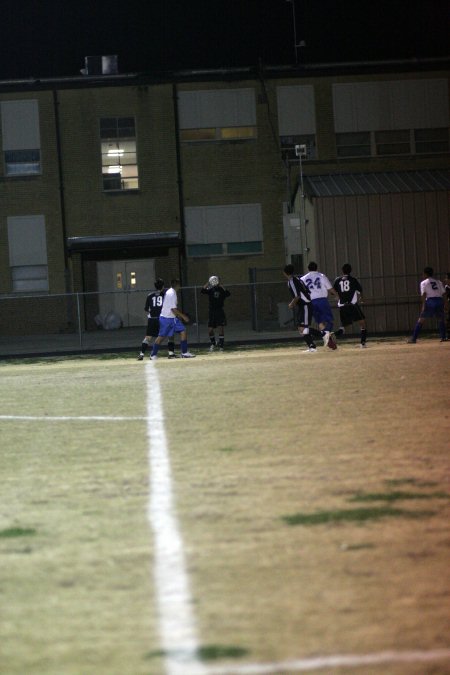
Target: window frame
{"points": [[119, 135]]}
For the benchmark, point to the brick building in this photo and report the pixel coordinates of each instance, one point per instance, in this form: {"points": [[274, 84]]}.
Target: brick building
{"points": [[109, 180]]}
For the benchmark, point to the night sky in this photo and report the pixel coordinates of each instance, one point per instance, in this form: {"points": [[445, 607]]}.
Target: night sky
{"points": [[45, 38]]}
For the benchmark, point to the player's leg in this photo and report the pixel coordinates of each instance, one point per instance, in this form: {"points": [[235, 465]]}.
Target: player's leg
{"points": [[181, 329], [166, 330], [146, 342], [212, 338], [221, 338], [440, 315], [305, 318]]}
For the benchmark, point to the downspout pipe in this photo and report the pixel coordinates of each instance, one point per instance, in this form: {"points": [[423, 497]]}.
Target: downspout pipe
{"points": [[182, 249]]}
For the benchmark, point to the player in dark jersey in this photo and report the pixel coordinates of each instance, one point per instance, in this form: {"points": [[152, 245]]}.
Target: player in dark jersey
{"points": [[217, 295], [349, 290], [153, 306], [447, 302], [302, 306]]}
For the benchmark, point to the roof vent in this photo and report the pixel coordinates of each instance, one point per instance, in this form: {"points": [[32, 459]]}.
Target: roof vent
{"points": [[100, 65]]}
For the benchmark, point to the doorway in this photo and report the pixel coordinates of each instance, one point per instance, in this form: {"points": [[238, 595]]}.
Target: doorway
{"points": [[123, 286]]}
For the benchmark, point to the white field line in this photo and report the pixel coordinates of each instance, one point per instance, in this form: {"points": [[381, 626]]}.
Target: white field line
{"points": [[177, 621], [334, 661], [176, 617]]}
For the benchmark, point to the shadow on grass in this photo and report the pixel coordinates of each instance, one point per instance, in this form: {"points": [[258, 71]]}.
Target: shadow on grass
{"points": [[206, 653], [396, 496], [13, 532], [361, 515]]}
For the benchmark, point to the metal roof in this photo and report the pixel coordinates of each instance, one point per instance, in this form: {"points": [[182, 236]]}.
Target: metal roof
{"points": [[333, 185]]}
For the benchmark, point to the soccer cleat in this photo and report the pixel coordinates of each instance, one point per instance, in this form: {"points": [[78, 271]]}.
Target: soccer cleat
{"points": [[153, 357], [171, 355], [212, 347], [140, 357], [362, 345], [187, 355], [332, 342], [310, 350]]}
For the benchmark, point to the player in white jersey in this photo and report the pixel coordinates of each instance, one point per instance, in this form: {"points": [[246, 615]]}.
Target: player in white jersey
{"points": [[319, 285], [171, 321], [432, 292]]}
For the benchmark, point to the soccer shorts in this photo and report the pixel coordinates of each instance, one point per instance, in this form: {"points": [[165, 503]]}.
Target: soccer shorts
{"points": [[434, 307], [350, 313], [167, 327], [303, 315], [322, 312], [153, 327], [217, 318]]}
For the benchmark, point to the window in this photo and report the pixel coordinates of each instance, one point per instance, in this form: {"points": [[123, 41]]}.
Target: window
{"points": [[431, 140], [224, 230], [398, 117], [217, 115], [393, 142], [398, 142], [29, 271], [353, 144], [288, 144], [21, 137], [119, 158], [297, 120]]}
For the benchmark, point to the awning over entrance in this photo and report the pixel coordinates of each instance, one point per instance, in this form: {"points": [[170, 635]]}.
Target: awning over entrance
{"points": [[335, 185], [124, 241]]}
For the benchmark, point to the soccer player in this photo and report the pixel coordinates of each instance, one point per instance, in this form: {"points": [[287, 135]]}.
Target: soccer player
{"points": [[432, 291], [171, 321], [301, 304], [153, 305], [318, 286], [349, 290], [447, 301], [216, 319]]}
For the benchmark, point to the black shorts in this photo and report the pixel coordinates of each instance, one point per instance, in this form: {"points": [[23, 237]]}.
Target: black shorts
{"points": [[217, 318], [303, 314], [350, 313], [152, 327]]}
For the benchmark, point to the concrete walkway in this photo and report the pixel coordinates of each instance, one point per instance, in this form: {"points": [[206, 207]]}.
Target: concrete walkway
{"points": [[129, 339]]}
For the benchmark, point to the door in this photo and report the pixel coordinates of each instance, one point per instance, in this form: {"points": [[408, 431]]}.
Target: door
{"points": [[123, 286]]}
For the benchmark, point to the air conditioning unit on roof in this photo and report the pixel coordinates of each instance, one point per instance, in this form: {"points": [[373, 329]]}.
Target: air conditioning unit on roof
{"points": [[100, 65]]}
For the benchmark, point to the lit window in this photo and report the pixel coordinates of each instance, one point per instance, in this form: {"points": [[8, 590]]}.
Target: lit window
{"points": [[119, 157]]}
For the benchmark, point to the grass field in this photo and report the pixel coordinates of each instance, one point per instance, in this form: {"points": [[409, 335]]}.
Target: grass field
{"points": [[311, 498]]}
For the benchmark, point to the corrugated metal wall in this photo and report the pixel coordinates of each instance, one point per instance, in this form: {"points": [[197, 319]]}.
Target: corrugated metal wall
{"points": [[388, 239]]}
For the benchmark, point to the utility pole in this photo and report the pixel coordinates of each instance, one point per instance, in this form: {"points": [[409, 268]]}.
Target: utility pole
{"points": [[302, 43]]}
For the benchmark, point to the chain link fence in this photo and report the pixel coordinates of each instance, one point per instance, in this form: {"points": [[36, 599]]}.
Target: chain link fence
{"points": [[78, 322]]}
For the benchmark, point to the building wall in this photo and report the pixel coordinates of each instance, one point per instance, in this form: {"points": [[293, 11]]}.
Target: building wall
{"points": [[154, 206], [382, 234], [35, 195], [237, 172], [388, 239]]}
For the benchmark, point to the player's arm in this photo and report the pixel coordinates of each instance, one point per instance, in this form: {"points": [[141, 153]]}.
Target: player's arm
{"points": [[180, 315]]}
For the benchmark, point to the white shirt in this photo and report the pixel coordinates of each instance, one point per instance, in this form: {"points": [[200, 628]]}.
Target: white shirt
{"points": [[432, 288], [170, 302], [317, 283]]}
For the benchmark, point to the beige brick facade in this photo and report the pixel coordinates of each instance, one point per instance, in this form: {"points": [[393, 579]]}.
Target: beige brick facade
{"points": [[172, 174]]}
